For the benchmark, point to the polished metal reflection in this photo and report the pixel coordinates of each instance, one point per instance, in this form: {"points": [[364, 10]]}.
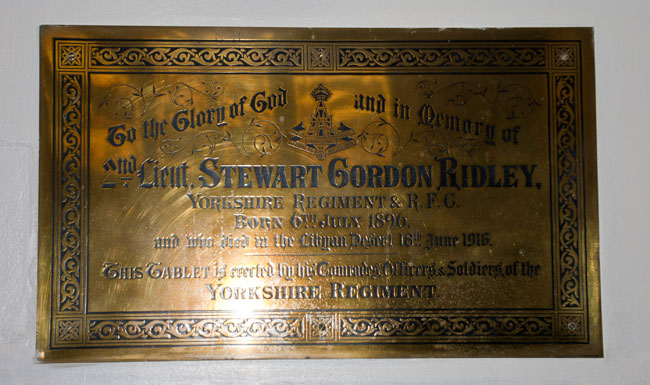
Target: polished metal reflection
{"points": [[291, 193]]}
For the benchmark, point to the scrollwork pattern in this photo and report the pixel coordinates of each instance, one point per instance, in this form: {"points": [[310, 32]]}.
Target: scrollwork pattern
{"points": [[126, 101], [565, 112], [203, 143], [458, 93], [197, 56], [515, 101], [262, 136], [512, 101], [70, 121], [441, 57], [153, 329], [466, 326], [380, 138]]}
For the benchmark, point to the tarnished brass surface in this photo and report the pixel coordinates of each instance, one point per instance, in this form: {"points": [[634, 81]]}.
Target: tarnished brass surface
{"points": [[286, 193]]}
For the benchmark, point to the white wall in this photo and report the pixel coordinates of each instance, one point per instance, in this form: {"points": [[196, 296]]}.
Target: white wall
{"points": [[623, 95]]}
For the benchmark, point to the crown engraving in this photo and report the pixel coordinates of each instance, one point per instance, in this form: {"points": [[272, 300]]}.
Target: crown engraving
{"points": [[321, 93], [321, 138]]}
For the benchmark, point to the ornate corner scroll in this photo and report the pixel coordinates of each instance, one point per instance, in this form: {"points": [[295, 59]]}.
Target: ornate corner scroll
{"points": [[71, 56]]}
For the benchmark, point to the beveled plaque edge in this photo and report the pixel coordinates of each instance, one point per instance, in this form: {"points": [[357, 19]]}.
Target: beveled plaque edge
{"points": [[593, 349]]}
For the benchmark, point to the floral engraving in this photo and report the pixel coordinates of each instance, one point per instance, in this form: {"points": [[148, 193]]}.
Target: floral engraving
{"points": [[70, 249], [70, 55], [321, 57], [564, 57], [441, 57], [197, 56], [567, 173], [126, 101], [468, 326], [571, 325], [69, 330], [146, 329], [203, 143], [322, 327], [379, 138], [263, 137]]}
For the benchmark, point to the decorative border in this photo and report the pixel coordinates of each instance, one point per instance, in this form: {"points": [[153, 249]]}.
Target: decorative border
{"points": [[572, 326], [71, 56], [69, 331], [322, 327], [223, 55], [441, 56], [388, 327], [410, 325], [567, 191], [262, 327], [70, 173], [565, 57], [305, 327], [319, 57]]}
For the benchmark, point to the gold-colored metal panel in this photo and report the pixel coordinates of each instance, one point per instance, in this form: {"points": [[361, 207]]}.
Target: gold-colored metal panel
{"points": [[289, 193]]}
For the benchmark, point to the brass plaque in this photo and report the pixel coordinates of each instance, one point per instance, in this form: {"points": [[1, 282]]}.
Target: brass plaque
{"points": [[213, 193]]}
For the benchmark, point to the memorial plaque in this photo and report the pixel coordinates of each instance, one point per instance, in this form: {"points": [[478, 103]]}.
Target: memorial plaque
{"points": [[216, 193]]}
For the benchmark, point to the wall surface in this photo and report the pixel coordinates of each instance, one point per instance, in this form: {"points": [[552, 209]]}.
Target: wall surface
{"points": [[623, 96]]}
